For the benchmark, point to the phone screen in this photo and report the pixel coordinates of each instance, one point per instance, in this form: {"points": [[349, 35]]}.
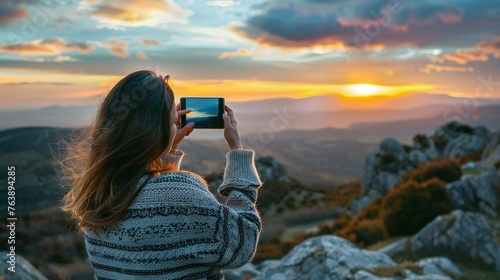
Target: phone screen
{"points": [[206, 112]]}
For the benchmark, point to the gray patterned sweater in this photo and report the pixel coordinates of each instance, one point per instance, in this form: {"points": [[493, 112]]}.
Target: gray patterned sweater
{"points": [[176, 229]]}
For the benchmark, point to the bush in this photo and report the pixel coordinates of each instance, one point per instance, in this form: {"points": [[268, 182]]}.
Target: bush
{"points": [[420, 139], [411, 206], [444, 169], [369, 232], [386, 162], [366, 228]]}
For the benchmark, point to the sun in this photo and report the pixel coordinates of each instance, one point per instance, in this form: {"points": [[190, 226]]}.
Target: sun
{"points": [[366, 89]]}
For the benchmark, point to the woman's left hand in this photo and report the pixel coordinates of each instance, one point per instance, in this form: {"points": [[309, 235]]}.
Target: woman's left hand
{"points": [[181, 132]]}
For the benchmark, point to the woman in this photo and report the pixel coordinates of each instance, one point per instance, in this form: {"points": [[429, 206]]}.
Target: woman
{"points": [[144, 218]]}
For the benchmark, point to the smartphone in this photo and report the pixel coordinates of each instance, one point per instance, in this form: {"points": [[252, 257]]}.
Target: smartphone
{"points": [[206, 112]]}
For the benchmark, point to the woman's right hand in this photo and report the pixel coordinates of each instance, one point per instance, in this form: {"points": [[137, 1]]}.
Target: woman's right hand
{"points": [[231, 130]]}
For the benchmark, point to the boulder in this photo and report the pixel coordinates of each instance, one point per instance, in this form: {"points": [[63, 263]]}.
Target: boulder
{"points": [[457, 140], [391, 146], [476, 193], [462, 233], [247, 271], [270, 169], [332, 257], [24, 270], [439, 266], [383, 169], [324, 257], [491, 152]]}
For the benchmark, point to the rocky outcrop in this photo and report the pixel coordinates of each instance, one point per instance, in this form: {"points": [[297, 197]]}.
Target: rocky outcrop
{"points": [[332, 257], [460, 233], [270, 169], [385, 168], [247, 271], [491, 152], [24, 270], [476, 193]]}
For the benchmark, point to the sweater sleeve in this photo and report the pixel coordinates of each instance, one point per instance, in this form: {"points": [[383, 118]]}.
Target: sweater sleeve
{"points": [[242, 223], [174, 158]]}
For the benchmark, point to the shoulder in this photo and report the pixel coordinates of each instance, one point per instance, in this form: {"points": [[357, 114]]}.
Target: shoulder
{"points": [[174, 187], [179, 177]]}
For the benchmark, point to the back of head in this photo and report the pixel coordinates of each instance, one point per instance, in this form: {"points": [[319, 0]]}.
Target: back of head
{"points": [[129, 134]]}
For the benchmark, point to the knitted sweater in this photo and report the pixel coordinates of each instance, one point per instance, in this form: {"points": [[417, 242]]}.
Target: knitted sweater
{"points": [[176, 229]]}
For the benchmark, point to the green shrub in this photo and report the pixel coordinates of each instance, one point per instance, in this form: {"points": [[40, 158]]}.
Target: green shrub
{"points": [[385, 162], [420, 139], [366, 228], [445, 169], [412, 205], [369, 232]]}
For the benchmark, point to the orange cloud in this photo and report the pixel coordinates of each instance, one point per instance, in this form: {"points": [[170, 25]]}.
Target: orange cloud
{"points": [[136, 12], [8, 16], [141, 55], [464, 57], [240, 52], [53, 46], [490, 47], [439, 68], [150, 42], [116, 47]]}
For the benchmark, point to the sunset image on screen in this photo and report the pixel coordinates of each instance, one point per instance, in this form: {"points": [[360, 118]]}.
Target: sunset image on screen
{"points": [[359, 139]]}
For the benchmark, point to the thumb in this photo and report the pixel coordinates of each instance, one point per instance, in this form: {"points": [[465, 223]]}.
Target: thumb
{"points": [[226, 119], [186, 128]]}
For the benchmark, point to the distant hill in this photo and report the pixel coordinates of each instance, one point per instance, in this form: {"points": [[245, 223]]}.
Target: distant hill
{"points": [[311, 113]]}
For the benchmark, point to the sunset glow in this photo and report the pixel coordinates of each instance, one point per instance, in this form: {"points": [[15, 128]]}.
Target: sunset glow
{"points": [[234, 50]]}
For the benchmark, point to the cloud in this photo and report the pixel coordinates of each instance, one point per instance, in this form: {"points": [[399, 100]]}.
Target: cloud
{"points": [[150, 42], [241, 52], [53, 46], [141, 55], [135, 12], [11, 10], [465, 57], [116, 47], [490, 47], [439, 68], [63, 59], [37, 83], [478, 53], [361, 24]]}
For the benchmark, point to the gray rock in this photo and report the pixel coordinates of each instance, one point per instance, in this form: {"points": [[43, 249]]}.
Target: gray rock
{"points": [[269, 169], [429, 277], [385, 168], [439, 266], [491, 151], [364, 275], [476, 193], [459, 232], [24, 270], [391, 146], [325, 257], [245, 272]]}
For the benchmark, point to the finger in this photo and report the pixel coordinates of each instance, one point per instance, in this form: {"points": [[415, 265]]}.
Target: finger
{"points": [[183, 112], [227, 121], [178, 107], [230, 113], [183, 131]]}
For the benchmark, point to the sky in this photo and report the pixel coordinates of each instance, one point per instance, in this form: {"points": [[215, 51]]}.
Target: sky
{"points": [[71, 52]]}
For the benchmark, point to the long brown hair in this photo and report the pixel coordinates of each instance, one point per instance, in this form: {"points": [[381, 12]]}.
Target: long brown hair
{"points": [[126, 140]]}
